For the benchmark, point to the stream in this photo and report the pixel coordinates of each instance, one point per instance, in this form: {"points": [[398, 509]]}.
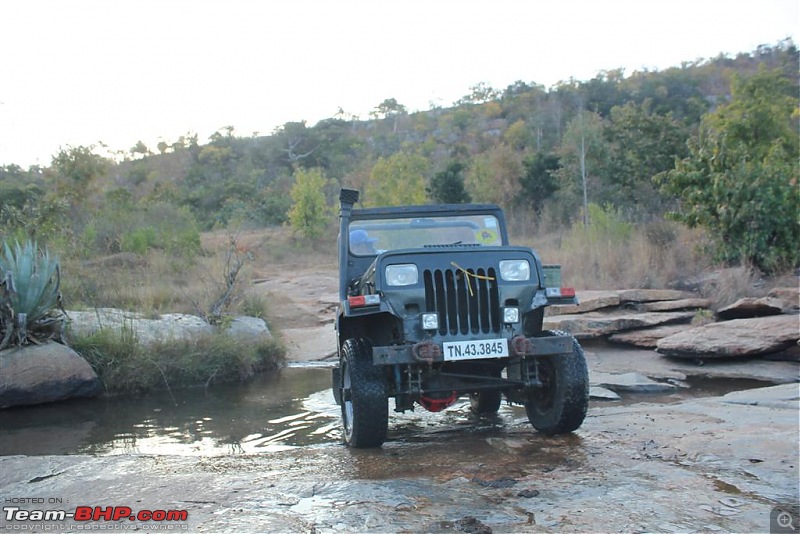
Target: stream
{"points": [[288, 409]]}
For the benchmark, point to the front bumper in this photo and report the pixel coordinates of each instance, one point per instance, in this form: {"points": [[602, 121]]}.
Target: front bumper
{"points": [[431, 351]]}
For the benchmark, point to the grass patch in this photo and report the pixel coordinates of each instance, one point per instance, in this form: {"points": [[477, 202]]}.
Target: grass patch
{"points": [[611, 254], [125, 366]]}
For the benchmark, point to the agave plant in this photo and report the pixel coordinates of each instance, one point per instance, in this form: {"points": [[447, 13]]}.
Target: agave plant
{"points": [[29, 295]]}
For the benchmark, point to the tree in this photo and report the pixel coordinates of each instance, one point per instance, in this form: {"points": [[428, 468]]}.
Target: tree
{"points": [[310, 213], [74, 170], [397, 180], [480, 93], [641, 144], [538, 183], [740, 178], [582, 151], [494, 176], [447, 186], [389, 108]]}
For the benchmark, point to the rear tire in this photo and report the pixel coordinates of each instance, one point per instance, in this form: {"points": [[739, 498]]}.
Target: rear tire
{"points": [[365, 406], [560, 405], [486, 402]]}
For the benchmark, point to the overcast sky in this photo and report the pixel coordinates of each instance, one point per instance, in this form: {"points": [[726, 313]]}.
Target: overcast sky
{"points": [[80, 72]]}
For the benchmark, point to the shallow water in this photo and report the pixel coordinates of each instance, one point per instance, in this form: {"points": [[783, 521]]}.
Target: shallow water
{"points": [[291, 408]]}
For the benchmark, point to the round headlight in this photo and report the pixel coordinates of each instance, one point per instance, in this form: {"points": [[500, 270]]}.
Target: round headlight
{"points": [[515, 270], [402, 275]]}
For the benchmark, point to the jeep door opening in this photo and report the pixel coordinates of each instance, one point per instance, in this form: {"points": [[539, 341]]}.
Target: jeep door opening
{"points": [[435, 304]]}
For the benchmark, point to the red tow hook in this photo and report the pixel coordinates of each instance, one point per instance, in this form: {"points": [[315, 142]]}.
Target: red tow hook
{"points": [[426, 351], [437, 405]]}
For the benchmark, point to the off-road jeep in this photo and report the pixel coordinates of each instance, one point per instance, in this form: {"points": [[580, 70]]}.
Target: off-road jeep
{"points": [[435, 304]]}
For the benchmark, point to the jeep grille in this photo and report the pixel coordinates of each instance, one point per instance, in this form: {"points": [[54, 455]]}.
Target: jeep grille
{"points": [[462, 308]]}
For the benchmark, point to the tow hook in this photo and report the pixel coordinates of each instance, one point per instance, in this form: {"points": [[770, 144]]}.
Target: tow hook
{"points": [[521, 346], [426, 351]]}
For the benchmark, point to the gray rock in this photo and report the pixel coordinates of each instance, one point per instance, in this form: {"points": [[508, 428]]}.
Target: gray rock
{"points": [[630, 383], [146, 330], [596, 392], [35, 374], [597, 324], [248, 328], [784, 396], [165, 327], [735, 338]]}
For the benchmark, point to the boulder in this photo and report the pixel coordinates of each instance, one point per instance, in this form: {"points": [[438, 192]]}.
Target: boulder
{"points": [[165, 327], [248, 328], [646, 338], [35, 374], [751, 307], [587, 301], [734, 338], [594, 324]]}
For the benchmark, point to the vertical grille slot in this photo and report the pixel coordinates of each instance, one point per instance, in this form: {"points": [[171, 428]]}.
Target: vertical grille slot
{"points": [[466, 303]]}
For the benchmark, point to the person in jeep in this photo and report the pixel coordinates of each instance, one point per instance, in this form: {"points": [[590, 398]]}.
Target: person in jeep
{"points": [[361, 243], [446, 307]]}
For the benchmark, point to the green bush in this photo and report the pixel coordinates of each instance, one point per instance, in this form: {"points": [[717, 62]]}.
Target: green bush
{"points": [[139, 240], [740, 179]]}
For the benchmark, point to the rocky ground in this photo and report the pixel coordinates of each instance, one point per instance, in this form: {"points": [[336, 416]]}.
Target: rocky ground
{"points": [[720, 463]]}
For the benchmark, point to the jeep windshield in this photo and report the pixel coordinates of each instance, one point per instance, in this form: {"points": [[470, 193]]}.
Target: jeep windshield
{"points": [[368, 238]]}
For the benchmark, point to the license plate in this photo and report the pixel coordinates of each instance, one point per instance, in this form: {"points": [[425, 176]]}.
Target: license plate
{"points": [[475, 350]]}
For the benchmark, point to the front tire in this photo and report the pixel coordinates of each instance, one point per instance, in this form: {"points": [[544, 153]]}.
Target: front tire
{"points": [[560, 404], [365, 406]]}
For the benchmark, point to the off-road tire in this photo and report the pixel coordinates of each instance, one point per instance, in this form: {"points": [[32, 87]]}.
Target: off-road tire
{"points": [[365, 406], [560, 405], [486, 402]]}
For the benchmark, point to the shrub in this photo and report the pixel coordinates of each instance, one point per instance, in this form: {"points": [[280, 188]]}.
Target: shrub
{"points": [[29, 293], [126, 366]]}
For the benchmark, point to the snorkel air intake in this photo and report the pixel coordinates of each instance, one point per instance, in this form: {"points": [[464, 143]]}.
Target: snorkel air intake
{"points": [[347, 197]]}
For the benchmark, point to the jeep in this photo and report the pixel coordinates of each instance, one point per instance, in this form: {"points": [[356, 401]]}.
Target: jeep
{"points": [[434, 305]]}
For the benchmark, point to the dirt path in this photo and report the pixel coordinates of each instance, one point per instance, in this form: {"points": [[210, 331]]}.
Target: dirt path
{"points": [[302, 304]]}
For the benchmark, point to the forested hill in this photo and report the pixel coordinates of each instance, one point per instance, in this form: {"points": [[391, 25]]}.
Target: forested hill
{"points": [[529, 148]]}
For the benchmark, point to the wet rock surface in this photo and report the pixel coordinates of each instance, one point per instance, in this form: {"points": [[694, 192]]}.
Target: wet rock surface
{"points": [[717, 463]]}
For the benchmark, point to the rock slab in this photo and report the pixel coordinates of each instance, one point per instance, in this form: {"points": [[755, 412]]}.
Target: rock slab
{"points": [[647, 338], [629, 383], [36, 374], [591, 325], [734, 338]]}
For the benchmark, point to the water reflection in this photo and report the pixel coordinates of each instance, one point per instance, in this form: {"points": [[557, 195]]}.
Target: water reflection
{"points": [[291, 408]]}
